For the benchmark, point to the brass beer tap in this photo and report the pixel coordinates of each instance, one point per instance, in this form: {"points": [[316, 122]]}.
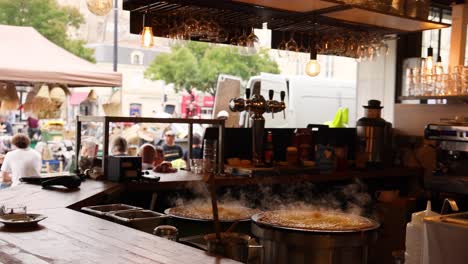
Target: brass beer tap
{"points": [[256, 107]]}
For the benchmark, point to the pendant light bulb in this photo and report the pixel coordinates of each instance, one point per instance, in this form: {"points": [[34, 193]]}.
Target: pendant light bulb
{"points": [[147, 37], [312, 68], [429, 60], [439, 67]]}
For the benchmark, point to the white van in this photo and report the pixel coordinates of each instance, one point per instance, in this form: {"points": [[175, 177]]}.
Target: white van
{"points": [[308, 100]]}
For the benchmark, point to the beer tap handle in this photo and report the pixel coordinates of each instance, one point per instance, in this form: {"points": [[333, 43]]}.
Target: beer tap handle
{"points": [[247, 97], [283, 95], [271, 93]]}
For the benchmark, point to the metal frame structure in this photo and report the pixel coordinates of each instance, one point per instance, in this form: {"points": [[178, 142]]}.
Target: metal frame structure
{"points": [[236, 15], [106, 120]]}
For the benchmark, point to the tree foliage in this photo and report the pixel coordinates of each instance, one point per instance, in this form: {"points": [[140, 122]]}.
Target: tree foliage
{"points": [[198, 65], [49, 19]]}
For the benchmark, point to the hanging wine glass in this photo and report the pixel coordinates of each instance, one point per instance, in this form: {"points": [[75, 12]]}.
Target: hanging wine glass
{"points": [[242, 43], [252, 43], [222, 36], [213, 30], [351, 47], [339, 45], [233, 42], [325, 45], [173, 35], [282, 52], [291, 45], [191, 27], [302, 48], [203, 27], [382, 47]]}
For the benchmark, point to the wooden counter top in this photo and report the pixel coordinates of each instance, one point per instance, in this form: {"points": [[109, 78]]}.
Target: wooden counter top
{"points": [[183, 179], [35, 198], [67, 236]]}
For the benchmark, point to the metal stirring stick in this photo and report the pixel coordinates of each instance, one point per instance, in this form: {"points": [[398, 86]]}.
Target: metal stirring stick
{"points": [[214, 204]]}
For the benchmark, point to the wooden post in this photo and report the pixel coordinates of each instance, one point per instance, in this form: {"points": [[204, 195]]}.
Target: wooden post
{"points": [[458, 34], [77, 145]]}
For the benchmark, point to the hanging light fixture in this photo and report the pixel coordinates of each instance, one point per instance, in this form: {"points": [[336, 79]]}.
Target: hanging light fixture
{"points": [[99, 7], [312, 68], [429, 59], [439, 68], [146, 36]]}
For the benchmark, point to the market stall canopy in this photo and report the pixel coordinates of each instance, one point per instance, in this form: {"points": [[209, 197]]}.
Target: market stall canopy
{"points": [[28, 57]]}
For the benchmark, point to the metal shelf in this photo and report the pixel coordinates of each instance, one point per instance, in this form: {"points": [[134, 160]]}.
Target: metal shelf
{"points": [[463, 98], [298, 16], [391, 22]]}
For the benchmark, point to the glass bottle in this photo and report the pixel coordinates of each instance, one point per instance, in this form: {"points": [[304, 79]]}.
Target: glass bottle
{"points": [[268, 152]]}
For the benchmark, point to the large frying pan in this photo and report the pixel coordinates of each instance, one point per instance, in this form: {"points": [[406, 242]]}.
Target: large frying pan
{"points": [[172, 212], [257, 218]]}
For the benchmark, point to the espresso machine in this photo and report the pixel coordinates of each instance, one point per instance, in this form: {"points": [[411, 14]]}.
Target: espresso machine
{"points": [[451, 147]]}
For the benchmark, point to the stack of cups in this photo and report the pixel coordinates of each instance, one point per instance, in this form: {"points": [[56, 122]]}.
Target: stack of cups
{"points": [[209, 155]]}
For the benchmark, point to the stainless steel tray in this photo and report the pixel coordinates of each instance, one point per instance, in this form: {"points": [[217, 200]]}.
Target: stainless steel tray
{"points": [[136, 215], [101, 210], [143, 220]]}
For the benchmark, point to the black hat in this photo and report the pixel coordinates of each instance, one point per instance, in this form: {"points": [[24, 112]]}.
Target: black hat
{"points": [[373, 104]]}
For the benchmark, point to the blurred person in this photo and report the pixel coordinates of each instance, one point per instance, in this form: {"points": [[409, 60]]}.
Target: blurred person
{"points": [[119, 146], [21, 162], [33, 127], [148, 155], [196, 148], [5, 126], [171, 150], [159, 156]]}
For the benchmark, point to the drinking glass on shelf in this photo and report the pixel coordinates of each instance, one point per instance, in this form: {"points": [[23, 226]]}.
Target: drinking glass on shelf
{"points": [[15, 209], [409, 83], [445, 84], [464, 77], [456, 80], [196, 165], [429, 87], [209, 155], [416, 73], [440, 84]]}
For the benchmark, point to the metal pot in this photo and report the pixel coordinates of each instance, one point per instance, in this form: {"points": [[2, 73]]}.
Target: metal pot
{"points": [[231, 245], [300, 246]]}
